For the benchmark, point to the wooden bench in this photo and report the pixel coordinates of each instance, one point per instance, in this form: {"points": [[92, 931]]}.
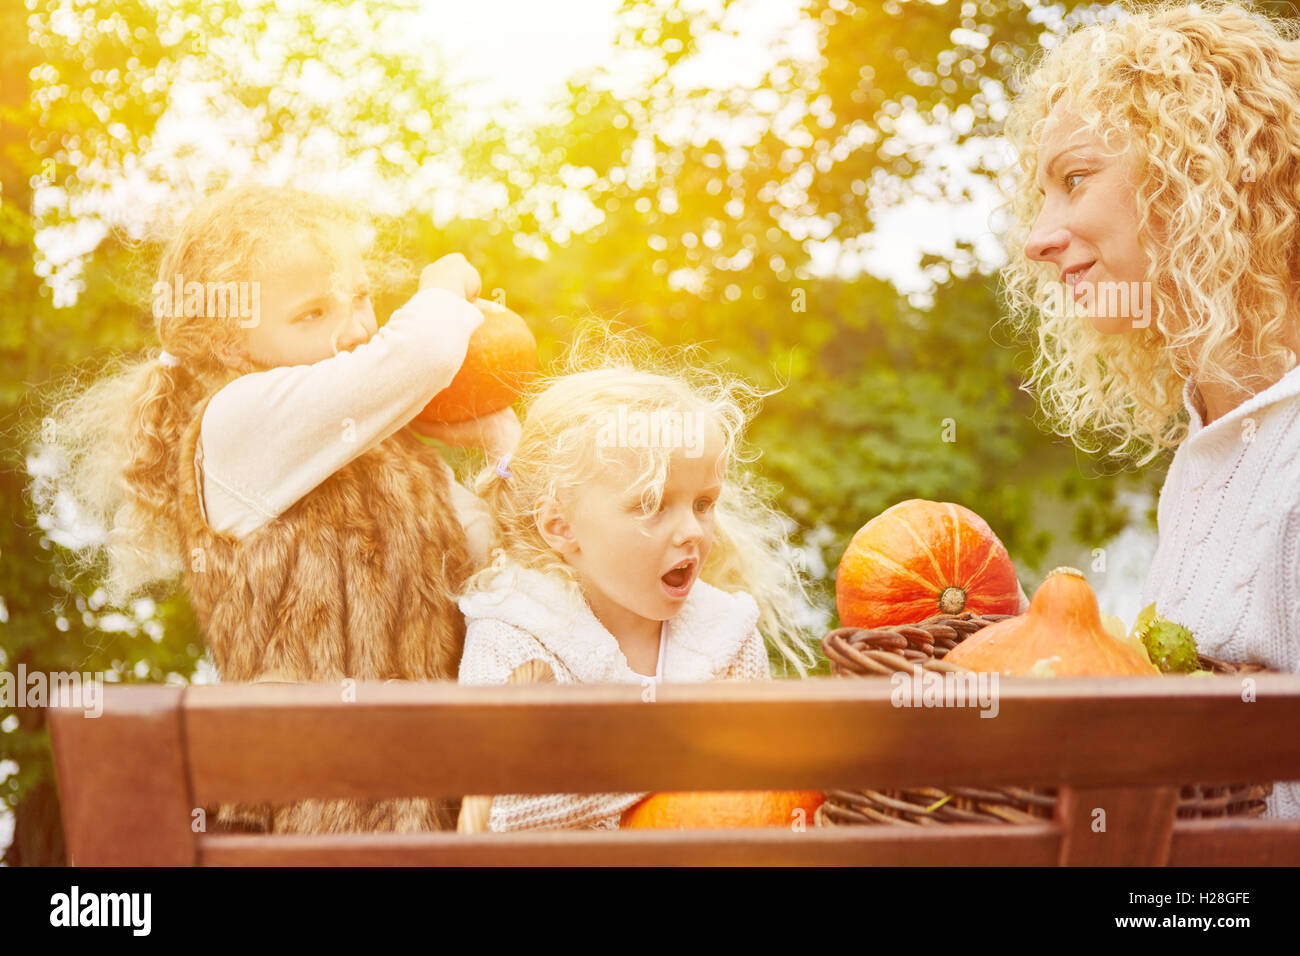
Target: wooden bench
{"points": [[131, 779]]}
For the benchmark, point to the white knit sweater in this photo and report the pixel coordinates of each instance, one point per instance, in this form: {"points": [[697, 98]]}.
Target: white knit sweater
{"points": [[533, 615], [1227, 564]]}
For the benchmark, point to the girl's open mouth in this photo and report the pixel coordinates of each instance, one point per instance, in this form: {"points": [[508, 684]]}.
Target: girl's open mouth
{"points": [[677, 582]]}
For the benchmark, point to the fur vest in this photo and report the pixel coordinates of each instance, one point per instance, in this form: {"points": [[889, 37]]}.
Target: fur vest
{"points": [[355, 580]]}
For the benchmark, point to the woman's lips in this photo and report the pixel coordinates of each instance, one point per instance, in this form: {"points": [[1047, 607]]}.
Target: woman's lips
{"points": [[1077, 277]]}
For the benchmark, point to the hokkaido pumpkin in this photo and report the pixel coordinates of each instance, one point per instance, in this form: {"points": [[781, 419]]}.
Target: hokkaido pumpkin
{"points": [[499, 364], [920, 558], [1061, 635], [725, 808]]}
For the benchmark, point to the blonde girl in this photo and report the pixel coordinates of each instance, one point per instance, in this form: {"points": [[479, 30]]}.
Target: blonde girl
{"points": [[632, 547], [262, 456], [1155, 253]]}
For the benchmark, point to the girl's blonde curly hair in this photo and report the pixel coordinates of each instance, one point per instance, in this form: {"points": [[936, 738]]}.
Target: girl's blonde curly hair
{"points": [[561, 449], [115, 430], [1206, 101]]}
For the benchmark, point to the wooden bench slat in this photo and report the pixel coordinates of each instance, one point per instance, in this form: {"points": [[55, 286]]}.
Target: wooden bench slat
{"points": [[1115, 826], [130, 778], [1192, 843], [1031, 845], [1235, 841], [123, 782], [289, 742]]}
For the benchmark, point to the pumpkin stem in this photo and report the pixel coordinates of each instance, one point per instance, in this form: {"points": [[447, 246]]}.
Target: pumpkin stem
{"points": [[1066, 570], [952, 600]]}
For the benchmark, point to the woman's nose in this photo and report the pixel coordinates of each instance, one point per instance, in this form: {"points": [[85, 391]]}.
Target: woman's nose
{"points": [[1047, 239]]}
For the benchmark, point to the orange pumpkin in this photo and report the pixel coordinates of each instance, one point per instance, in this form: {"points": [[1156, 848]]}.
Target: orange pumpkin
{"points": [[920, 558], [499, 364], [1061, 635], [724, 808]]}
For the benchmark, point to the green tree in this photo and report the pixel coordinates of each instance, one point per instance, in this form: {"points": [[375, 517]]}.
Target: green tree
{"points": [[704, 209], [708, 235], [85, 88]]}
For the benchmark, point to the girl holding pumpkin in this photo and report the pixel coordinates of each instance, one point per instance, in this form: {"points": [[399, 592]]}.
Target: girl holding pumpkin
{"points": [[264, 457], [625, 557], [1159, 156]]}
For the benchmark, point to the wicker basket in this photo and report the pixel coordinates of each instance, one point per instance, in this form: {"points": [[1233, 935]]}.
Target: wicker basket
{"points": [[880, 652]]}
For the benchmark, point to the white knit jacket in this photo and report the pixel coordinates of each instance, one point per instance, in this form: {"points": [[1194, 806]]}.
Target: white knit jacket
{"points": [[534, 615], [1227, 563]]}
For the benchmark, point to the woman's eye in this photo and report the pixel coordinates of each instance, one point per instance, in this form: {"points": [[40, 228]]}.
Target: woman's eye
{"points": [[1069, 177], [702, 505], [311, 316]]}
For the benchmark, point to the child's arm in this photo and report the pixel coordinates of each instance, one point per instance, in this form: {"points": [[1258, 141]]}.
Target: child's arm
{"points": [[473, 514], [270, 437], [752, 662], [497, 433], [560, 811]]}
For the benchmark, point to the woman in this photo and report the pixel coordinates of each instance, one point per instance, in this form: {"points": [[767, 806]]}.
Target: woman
{"points": [[1154, 250]]}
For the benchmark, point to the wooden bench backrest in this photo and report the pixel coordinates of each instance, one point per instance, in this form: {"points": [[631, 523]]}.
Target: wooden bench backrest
{"points": [[131, 779]]}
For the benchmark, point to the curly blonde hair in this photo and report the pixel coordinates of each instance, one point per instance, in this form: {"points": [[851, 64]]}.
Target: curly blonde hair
{"points": [[560, 450], [115, 430], [1207, 104]]}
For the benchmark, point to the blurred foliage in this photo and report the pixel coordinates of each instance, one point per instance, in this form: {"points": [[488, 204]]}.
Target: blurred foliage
{"points": [[705, 235], [82, 99], [700, 209]]}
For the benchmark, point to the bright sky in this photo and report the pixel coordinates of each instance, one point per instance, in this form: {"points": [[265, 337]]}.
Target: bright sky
{"points": [[523, 52], [520, 51]]}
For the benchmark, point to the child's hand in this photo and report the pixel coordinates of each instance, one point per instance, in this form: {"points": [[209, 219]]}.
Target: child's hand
{"points": [[497, 434], [453, 273]]}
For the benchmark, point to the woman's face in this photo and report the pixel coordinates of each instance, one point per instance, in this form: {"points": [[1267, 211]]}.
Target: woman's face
{"points": [[1088, 226], [307, 313]]}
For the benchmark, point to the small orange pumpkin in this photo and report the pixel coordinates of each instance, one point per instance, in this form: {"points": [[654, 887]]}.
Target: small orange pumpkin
{"points": [[1061, 635], [920, 558], [499, 364], [691, 810]]}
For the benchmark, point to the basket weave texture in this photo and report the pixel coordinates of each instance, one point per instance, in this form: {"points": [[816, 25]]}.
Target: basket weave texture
{"points": [[880, 652]]}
